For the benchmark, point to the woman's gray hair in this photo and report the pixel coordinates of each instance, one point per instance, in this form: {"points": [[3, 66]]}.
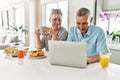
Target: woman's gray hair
{"points": [[83, 12], [56, 12]]}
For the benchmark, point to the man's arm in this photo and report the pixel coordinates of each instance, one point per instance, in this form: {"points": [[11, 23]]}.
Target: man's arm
{"points": [[93, 59], [101, 46]]}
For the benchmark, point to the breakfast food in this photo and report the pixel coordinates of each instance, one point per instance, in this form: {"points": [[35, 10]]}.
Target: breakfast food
{"points": [[36, 53], [11, 50]]}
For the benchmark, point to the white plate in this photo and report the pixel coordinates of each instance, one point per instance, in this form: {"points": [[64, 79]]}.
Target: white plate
{"points": [[11, 54], [39, 57]]}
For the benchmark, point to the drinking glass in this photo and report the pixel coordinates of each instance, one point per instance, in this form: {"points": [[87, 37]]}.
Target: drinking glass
{"points": [[104, 60], [20, 53], [117, 41]]}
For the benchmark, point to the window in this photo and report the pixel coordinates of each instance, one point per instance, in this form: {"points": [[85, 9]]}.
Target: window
{"points": [[109, 21], [19, 17], [5, 19], [114, 22], [0, 21], [63, 5], [19, 20]]}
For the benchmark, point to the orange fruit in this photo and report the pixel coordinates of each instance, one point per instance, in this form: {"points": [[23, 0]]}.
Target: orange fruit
{"points": [[41, 53], [33, 54]]}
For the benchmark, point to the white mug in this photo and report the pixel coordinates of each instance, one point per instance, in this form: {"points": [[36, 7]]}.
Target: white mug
{"points": [[42, 29]]}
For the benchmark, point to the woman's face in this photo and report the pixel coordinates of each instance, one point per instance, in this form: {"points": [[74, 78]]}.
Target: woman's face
{"points": [[56, 21]]}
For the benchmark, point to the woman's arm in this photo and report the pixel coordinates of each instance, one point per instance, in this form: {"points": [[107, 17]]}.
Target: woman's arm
{"points": [[39, 42]]}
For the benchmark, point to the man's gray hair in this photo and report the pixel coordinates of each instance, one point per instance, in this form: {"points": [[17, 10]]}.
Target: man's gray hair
{"points": [[83, 12], [56, 12]]}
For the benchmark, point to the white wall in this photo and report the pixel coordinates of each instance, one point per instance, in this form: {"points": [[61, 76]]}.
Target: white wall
{"points": [[26, 5], [74, 5], [115, 56], [38, 13], [111, 5], [32, 20], [99, 10]]}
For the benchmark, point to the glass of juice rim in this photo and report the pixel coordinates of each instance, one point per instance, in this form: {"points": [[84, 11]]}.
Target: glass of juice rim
{"points": [[105, 54], [104, 59], [21, 53]]}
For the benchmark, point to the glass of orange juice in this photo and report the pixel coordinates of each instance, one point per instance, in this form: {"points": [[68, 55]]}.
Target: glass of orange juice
{"points": [[21, 53], [104, 60]]}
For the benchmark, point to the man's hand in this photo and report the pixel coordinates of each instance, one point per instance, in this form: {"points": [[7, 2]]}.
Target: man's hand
{"points": [[92, 59]]}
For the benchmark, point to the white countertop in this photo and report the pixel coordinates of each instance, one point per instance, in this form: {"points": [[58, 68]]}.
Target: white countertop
{"points": [[114, 47], [41, 69]]}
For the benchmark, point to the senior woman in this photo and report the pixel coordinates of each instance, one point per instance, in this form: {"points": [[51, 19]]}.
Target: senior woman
{"points": [[55, 32]]}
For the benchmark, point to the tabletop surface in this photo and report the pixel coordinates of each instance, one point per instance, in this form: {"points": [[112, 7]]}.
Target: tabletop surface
{"points": [[41, 69]]}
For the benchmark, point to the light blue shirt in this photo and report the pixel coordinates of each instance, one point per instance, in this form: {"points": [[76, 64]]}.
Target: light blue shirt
{"points": [[95, 38]]}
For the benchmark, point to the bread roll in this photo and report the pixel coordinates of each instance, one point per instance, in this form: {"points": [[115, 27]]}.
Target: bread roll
{"points": [[11, 50]]}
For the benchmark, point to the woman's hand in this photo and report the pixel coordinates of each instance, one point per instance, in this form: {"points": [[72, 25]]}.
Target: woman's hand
{"points": [[52, 32], [46, 30]]}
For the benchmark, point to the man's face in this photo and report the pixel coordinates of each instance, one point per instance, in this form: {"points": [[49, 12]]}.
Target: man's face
{"points": [[83, 23]]}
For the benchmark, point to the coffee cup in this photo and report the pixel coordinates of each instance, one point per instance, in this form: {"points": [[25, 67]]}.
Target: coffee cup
{"points": [[44, 30]]}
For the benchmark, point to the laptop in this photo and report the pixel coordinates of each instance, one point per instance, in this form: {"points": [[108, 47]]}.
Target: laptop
{"points": [[67, 53]]}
